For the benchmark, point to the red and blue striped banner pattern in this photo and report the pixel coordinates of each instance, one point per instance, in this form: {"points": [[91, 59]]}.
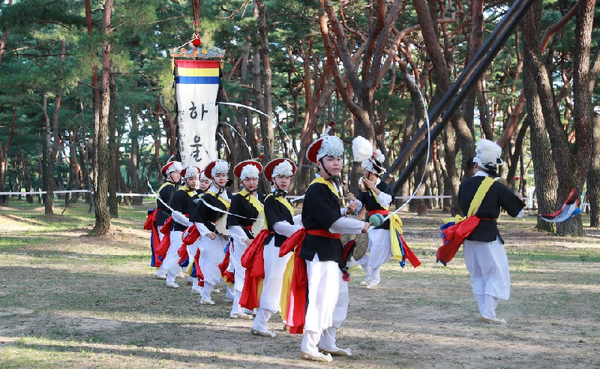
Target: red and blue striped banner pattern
{"points": [[199, 72]]}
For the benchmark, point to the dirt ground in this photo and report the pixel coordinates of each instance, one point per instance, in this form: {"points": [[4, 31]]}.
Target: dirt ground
{"points": [[69, 300]]}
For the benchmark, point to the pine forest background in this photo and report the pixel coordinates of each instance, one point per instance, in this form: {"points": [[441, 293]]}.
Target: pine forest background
{"points": [[87, 98]]}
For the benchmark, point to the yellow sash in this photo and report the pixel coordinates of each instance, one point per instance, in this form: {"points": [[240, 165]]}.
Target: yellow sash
{"points": [[283, 201], [258, 224], [221, 224], [396, 226], [187, 190], [286, 288], [475, 203], [376, 199], [327, 183], [165, 185], [227, 203]]}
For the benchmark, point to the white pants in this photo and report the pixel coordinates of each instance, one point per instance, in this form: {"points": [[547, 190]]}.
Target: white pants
{"points": [[240, 274], [272, 285], [327, 304], [378, 252], [171, 262], [488, 269], [211, 255]]}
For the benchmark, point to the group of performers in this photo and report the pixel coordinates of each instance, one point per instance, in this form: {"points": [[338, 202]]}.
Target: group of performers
{"points": [[274, 261]]}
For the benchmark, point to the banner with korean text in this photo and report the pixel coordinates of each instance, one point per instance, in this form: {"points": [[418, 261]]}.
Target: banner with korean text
{"points": [[196, 89]]}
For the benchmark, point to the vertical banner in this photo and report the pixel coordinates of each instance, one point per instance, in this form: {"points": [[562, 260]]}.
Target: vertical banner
{"points": [[196, 89]]}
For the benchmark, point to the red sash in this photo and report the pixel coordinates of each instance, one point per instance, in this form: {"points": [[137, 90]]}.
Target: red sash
{"points": [[161, 251], [454, 237], [378, 211], [188, 237], [228, 277], [299, 288], [254, 262], [199, 274], [150, 225]]}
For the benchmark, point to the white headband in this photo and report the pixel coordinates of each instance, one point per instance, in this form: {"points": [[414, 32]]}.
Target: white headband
{"points": [[249, 171], [175, 167], [488, 154], [331, 146], [283, 169], [221, 167], [192, 172]]}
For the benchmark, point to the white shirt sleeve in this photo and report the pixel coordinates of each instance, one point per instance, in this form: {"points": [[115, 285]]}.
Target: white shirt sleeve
{"points": [[202, 228], [286, 229], [238, 233], [180, 218], [384, 198], [347, 226]]}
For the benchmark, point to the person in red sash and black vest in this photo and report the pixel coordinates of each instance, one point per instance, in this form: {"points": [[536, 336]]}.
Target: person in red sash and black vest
{"points": [[182, 204], [171, 171], [281, 223], [321, 255], [191, 238], [376, 197], [245, 221], [483, 248], [210, 220]]}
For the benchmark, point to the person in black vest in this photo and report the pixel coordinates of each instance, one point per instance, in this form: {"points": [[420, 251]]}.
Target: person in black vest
{"points": [[172, 173], [483, 249], [244, 223], [282, 223], [209, 217], [322, 250], [183, 204], [375, 196]]}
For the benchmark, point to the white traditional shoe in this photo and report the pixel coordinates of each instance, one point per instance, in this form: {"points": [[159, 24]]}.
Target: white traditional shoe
{"points": [[371, 286], [493, 321], [181, 275], [250, 312], [241, 316], [197, 290], [336, 352], [262, 333], [316, 357], [172, 285], [216, 290], [160, 277], [364, 283], [207, 302]]}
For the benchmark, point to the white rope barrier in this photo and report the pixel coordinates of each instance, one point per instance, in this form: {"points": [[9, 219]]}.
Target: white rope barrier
{"points": [[124, 194]]}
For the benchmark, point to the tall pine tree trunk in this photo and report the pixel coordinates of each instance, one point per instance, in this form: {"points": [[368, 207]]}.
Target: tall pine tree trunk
{"points": [[593, 187], [545, 171], [113, 165], [102, 225], [48, 162]]}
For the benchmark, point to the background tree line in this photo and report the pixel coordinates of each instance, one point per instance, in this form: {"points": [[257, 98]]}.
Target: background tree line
{"points": [[87, 100]]}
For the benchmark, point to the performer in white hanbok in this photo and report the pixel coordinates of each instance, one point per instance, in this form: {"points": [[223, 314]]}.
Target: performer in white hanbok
{"points": [[376, 198], [321, 251], [182, 204], [192, 235], [246, 219], [157, 218], [483, 248], [209, 218], [281, 223]]}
